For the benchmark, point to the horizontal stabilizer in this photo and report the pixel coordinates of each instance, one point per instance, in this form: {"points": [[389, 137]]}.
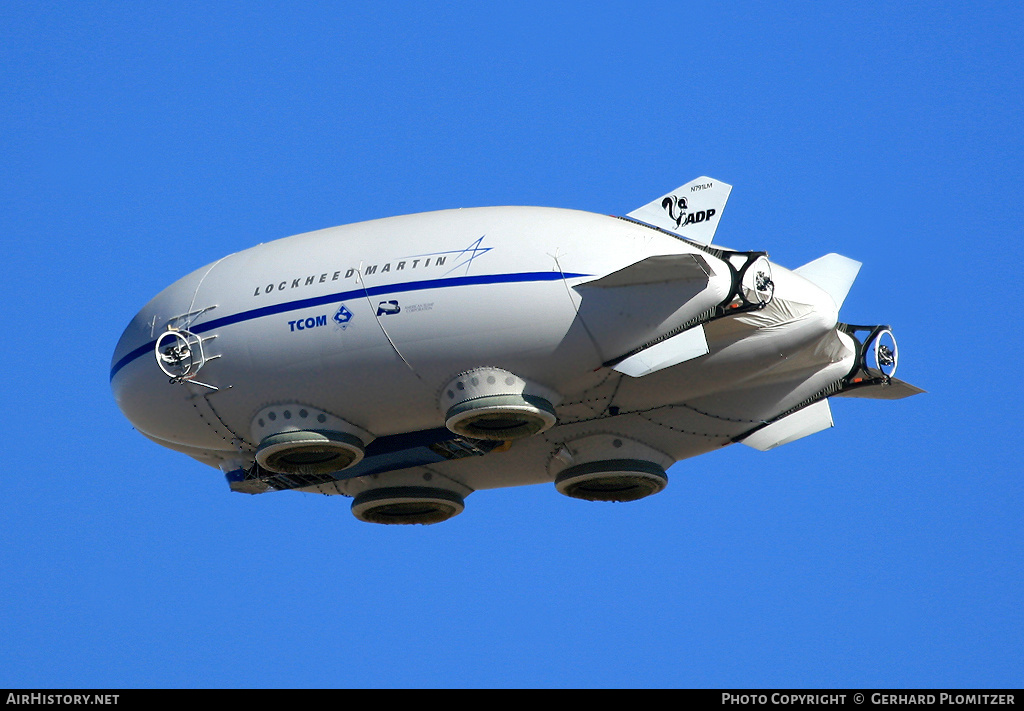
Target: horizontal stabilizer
{"points": [[654, 270], [833, 273], [811, 419], [685, 346], [691, 211], [895, 390]]}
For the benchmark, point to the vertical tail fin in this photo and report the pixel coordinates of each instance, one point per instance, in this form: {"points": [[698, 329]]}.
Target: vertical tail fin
{"points": [[691, 211], [834, 273]]}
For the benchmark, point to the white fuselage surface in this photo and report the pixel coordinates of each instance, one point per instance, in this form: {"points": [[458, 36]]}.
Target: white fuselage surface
{"points": [[369, 325]]}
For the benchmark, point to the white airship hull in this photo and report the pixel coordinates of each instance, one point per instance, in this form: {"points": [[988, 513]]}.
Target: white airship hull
{"points": [[608, 336]]}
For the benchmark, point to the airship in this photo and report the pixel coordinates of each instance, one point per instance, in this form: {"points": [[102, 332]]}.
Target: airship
{"points": [[410, 361]]}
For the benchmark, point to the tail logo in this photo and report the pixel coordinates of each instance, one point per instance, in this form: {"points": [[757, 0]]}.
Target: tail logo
{"points": [[678, 209]]}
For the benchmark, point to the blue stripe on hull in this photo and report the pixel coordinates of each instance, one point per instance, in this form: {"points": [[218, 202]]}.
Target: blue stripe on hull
{"points": [[380, 290]]}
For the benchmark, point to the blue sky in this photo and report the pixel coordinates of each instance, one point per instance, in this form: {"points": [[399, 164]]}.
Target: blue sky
{"points": [[138, 143]]}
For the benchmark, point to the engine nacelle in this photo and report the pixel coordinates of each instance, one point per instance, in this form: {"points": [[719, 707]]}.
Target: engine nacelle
{"points": [[302, 439], [407, 505], [494, 404], [607, 467]]}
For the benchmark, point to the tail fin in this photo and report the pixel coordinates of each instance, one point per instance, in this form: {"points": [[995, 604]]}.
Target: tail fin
{"points": [[800, 424], [691, 211], [895, 389], [834, 273]]}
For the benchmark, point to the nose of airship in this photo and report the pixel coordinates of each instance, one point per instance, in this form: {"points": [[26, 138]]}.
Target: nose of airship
{"points": [[145, 371], [139, 386]]}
